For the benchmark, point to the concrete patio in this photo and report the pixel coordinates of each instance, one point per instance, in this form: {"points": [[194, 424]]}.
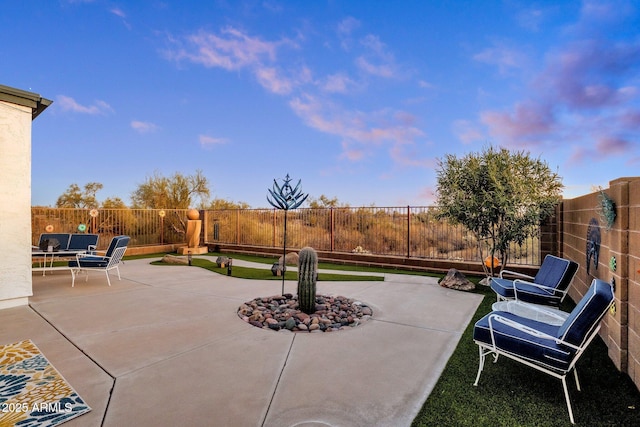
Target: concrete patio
{"points": [[164, 346]]}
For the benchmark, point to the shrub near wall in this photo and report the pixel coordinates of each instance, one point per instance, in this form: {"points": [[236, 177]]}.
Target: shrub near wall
{"points": [[620, 328]]}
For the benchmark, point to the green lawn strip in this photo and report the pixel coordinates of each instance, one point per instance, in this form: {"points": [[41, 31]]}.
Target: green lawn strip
{"points": [[266, 274], [511, 394], [328, 265]]}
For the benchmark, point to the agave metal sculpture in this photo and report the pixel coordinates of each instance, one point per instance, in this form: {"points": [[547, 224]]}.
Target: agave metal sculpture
{"points": [[285, 197]]}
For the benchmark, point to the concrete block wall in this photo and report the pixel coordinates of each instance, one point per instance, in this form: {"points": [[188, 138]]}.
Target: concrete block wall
{"points": [[621, 326]]}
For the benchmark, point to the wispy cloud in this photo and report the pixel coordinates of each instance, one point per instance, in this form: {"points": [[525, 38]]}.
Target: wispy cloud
{"points": [[427, 195], [360, 132], [345, 31], [467, 131], [586, 94], [122, 15], [377, 60], [231, 50], [504, 57], [531, 18], [273, 81], [271, 63], [337, 83], [348, 25], [118, 12], [528, 122], [209, 142], [66, 103], [144, 127]]}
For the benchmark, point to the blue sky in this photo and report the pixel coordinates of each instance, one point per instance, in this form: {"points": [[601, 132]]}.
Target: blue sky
{"points": [[358, 99]]}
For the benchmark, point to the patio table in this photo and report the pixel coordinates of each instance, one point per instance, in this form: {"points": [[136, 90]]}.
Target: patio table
{"points": [[545, 314]]}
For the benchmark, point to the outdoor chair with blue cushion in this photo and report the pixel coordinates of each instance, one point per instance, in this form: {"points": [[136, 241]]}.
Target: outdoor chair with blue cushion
{"points": [[549, 286], [93, 261], [82, 242], [552, 349]]}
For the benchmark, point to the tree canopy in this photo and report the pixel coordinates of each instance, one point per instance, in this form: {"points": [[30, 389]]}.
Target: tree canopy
{"points": [[222, 204], [177, 192], [498, 195], [325, 202], [74, 197]]}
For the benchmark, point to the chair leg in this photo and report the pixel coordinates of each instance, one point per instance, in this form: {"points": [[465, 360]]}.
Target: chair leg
{"points": [[480, 365], [566, 396], [575, 374], [73, 277], [108, 280]]}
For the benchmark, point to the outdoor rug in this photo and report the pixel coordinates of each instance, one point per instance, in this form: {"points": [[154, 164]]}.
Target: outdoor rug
{"points": [[32, 391]]}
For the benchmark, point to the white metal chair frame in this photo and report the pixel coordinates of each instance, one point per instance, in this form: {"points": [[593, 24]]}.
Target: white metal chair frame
{"points": [[112, 264], [485, 350]]}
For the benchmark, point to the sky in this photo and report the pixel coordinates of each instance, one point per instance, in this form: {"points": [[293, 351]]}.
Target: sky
{"points": [[359, 100]]}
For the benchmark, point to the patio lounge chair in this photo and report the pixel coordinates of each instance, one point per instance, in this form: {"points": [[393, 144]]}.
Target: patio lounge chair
{"points": [[88, 261], [549, 286], [551, 349]]}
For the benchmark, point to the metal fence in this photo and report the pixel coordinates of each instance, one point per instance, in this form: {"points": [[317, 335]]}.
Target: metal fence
{"points": [[144, 226], [394, 231]]}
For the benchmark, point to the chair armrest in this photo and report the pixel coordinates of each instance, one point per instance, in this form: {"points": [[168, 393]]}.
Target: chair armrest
{"points": [[549, 289], [540, 313], [514, 273], [90, 253], [525, 329], [519, 326]]}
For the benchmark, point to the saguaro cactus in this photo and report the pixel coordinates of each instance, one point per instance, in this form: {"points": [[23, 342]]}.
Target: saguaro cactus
{"points": [[307, 276]]}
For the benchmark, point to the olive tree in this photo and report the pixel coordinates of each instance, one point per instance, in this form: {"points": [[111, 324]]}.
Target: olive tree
{"points": [[176, 192], [75, 197], [500, 196]]}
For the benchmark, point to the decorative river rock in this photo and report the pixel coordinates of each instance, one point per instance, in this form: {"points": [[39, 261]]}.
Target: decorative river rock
{"points": [[281, 312]]}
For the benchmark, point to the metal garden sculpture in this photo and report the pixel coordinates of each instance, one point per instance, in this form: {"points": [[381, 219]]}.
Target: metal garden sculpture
{"points": [[285, 198]]}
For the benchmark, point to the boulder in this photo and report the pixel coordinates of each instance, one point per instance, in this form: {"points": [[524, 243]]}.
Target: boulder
{"points": [[456, 280], [222, 261], [292, 258], [172, 259]]}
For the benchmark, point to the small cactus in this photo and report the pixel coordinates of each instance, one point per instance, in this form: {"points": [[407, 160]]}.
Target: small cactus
{"points": [[307, 276]]}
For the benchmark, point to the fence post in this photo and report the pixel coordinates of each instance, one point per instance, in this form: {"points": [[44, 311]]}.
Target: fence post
{"points": [[408, 231], [237, 226], [332, 243], [273, 223]]}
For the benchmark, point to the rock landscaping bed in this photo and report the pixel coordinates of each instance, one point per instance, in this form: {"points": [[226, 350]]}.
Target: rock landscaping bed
{"points": [[281, 312]]}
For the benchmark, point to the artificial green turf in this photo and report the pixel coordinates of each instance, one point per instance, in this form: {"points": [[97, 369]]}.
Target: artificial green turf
{"points": [[328, 265], [266, 274], [511, 394]]}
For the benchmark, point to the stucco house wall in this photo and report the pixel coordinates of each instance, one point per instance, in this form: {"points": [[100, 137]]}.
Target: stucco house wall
{"points": [[17, 110]]}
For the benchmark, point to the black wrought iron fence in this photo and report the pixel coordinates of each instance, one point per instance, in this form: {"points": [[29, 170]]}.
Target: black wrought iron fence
{"points": [[145, 226], [397, 231], [394, 231]]}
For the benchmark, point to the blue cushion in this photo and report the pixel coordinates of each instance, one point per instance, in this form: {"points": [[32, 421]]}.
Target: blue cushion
{"points": [[117, 242], [59, 241], [90, 262], [536, 295], [556, 272], [81, 242], [542, 351], [503, 287], [587, 314]]}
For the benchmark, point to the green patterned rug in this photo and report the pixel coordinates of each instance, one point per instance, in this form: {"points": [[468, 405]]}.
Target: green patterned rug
{"points": [[32, 391]]}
